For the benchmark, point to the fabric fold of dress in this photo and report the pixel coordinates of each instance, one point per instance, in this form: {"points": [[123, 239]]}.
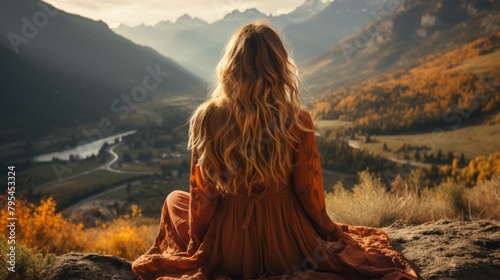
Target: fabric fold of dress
{"points": [[283, 232]]}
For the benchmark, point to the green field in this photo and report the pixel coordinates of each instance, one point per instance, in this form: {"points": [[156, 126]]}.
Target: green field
{"points": [[47, 172], [149, 166], [330, 124], [149, 196], [473, 140], [79, 188], [152, 110]]}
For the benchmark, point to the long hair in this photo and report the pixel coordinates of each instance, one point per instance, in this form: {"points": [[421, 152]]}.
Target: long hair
{"points": [[241, 136]]}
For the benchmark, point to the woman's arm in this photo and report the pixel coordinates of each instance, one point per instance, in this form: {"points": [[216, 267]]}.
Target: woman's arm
{"points": [[202, 205], [308, 181]]}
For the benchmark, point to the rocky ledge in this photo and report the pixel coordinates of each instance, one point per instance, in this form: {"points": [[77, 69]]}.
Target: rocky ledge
{"points": [[78, 266], [437, 250], [450, 250]]}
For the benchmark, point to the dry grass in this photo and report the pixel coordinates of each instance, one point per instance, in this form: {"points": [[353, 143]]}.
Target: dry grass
{"points": [[478, 64], [483, 201], [370, 204]]}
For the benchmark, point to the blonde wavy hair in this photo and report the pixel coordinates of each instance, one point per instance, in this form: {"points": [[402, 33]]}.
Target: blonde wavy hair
{"points": [[241, 136]]}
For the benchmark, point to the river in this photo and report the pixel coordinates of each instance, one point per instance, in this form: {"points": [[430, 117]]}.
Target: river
{"points": [[84, 150]]}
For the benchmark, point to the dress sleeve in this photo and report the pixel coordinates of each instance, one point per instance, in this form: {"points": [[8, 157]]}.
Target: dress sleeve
{"points": [[202, 205], [308, 181]]}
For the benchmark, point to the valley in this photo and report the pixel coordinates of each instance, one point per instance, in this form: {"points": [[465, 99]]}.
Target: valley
{"points": [[407, 93], [472, 140], [404, 96]]}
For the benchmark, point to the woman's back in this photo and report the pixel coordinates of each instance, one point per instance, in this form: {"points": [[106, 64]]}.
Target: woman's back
{"points": [[262, 146], [268, 231], [256, 206], [242, 134], [276, 231]]}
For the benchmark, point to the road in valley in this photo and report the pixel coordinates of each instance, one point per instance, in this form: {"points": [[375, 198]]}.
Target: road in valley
{"points": [[106, 166]]}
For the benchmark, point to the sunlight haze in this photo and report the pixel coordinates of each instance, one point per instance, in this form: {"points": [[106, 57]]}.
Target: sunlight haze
{"points": [[133, 12]]}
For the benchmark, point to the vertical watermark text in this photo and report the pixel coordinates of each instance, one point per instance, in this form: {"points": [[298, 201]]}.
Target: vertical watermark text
{"points": [[11, 218]]}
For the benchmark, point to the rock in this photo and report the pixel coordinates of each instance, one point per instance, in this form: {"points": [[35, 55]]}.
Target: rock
{"points": [[450, 250], [88, 267], [437, 250]]}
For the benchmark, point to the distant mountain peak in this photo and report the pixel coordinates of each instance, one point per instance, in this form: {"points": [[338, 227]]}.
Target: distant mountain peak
{"points": [[163, 23], [252, 11], [187, 20], [122, 26], [308, 9], [312, 5], [245, 15], [184, 18]]}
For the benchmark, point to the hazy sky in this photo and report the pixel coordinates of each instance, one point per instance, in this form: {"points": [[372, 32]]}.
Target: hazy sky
{"points": [[134, 12]]}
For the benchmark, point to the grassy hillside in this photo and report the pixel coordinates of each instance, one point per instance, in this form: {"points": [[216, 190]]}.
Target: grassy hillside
{"points": [[399, 39], [443, 89], [74, 70], [476, 139]]}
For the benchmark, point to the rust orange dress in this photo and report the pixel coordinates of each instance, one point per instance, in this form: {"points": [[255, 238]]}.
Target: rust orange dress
{"points": [[279, 232]]}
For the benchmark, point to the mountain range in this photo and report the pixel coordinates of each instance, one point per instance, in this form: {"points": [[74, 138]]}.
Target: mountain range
{"points": [[400, 39], [359, 58], [61, 69], [309, 29], [428, 64]]}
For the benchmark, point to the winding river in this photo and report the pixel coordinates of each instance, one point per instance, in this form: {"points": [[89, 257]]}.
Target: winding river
{"points": [[83, 150]]}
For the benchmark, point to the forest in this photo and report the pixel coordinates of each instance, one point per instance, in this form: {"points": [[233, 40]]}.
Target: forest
{"points": [[442, 90]]}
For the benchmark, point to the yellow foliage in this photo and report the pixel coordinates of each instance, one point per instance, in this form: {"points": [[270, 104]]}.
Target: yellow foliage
{"points": [[480, 169], [122, 237], [404, 100], [127, 236], [41, 227]]}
